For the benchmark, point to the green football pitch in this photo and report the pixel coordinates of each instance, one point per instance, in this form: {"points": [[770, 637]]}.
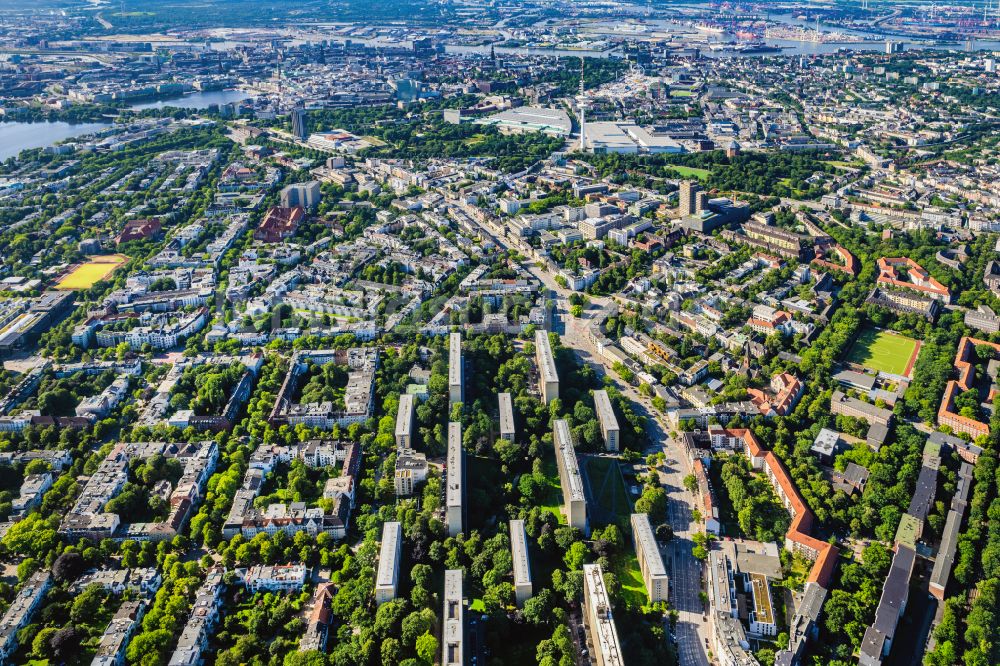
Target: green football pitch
{"points": [[883, 351]]}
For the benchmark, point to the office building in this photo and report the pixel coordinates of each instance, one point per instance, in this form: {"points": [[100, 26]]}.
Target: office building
{"points": [[456, 389], [647, 551], [574, 500], [599, 619], [404, 422], [390, 552], [506, 417], [548, 379], [606, 417], [710, 214], [305, 195], [687, 198], [522, 565], [300, 126], [455, 478], [453, 620]]}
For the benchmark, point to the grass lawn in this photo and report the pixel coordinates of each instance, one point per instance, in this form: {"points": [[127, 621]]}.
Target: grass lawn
{"points": [[883, 351], [796, 575], [87, 274], [690, 172], [843, 165], [609, 489], [626, 567], [681, 93], [553, 501]]}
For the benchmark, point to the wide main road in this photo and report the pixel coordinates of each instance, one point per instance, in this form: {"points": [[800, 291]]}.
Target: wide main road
{"points": [[692, 631]]}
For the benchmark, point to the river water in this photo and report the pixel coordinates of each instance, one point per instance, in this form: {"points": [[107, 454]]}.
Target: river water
{"points": [[682, 31]]}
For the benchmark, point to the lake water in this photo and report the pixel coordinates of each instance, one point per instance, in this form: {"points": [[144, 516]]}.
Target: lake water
{"points": [[15, 137], [196, 100]]}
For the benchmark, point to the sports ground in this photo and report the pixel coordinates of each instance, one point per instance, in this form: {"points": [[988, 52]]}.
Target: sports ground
{"points": [[884, 351], [87, 274]]}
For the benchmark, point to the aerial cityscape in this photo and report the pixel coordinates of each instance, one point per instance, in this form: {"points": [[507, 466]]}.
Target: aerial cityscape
{"points": [[467, 333]]}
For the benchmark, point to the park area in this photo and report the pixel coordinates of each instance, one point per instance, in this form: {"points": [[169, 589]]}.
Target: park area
{"points": [[884, 351], [611, 504], [552, 498], [89, 273], [690, 172]]}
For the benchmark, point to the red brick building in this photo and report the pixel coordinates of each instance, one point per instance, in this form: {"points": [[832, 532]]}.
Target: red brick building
{"points": [[138, 230], [279, 224]]}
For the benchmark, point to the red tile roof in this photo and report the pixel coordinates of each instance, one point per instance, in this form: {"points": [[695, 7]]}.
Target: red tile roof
{"points": [[920, 279], [802, 517], [966, 377]]}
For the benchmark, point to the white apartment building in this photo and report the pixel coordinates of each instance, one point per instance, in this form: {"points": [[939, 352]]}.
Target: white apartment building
{"points": [[522, 565], [599, 619], [390, 552], [404, 422], [456, 387], [453, 620], [647, 551], [455, 479], [574, 500], [548, 378], [606, 417], [507, 430]]}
